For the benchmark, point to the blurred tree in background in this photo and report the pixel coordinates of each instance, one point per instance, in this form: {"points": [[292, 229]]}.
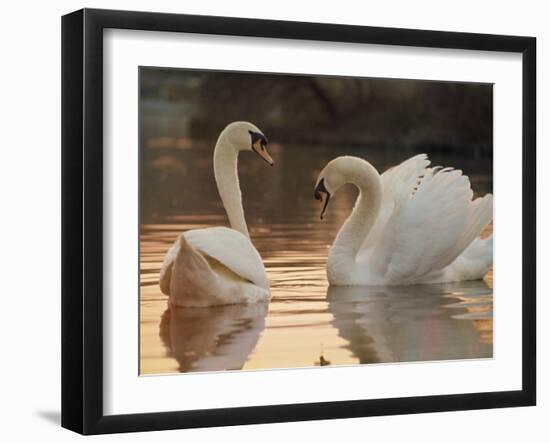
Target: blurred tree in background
{"points": [[386, 113]]}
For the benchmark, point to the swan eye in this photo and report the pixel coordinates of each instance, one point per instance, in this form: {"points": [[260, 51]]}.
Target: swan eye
{"points": [[256, 137]]}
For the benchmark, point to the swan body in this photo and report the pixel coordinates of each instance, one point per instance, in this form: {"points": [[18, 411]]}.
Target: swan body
{"points": [[220, 266], [414, 224]]}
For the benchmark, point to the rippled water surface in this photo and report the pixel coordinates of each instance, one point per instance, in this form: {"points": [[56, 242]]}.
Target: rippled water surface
{"points": [[306, 323]]}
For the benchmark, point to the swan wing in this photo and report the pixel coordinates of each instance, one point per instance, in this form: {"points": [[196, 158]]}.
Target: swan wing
{"points": [[229, 247], [396, 180], [432, 221]]}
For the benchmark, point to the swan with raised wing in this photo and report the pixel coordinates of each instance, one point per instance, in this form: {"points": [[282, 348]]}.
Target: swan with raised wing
{"points": [[412, 224], [219, 265]]}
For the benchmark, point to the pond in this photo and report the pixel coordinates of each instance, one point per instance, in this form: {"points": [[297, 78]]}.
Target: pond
{"points": [[307, 323]]}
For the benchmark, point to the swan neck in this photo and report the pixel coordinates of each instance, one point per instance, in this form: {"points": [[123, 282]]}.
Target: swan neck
{"points": [[227, 181], [367, 207]]}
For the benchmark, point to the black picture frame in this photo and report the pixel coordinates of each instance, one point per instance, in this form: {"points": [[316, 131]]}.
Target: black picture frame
{"points": [[82, 219]]}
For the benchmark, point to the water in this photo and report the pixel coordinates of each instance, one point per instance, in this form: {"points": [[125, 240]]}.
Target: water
{"points": [[306, 323]]}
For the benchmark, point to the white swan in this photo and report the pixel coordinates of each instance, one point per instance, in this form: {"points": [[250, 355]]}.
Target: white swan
{"points": [[412, 224], [219, 266]]}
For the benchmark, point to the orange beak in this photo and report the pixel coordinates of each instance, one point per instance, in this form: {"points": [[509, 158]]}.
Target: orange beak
{"points": [[261, 150]]}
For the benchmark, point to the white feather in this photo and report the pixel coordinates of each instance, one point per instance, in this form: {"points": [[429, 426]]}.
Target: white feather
{"points": [[218, 266], [425, 223], [229, 247]]}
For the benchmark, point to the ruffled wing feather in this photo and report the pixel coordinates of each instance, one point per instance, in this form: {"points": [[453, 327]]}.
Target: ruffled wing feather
{"points": [[427, 220], [229, 247]]}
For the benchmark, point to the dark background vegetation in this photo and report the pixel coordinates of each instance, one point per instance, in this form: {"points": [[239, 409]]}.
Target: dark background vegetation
{"points": [[306, 109]]}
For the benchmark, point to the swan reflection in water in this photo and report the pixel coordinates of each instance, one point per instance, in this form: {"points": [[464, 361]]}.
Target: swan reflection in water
{"points": [[377, 325], [414, 323], [212, 339]]}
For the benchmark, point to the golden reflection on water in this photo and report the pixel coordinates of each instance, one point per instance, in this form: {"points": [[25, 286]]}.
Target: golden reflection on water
{"points": [[306, 323]]}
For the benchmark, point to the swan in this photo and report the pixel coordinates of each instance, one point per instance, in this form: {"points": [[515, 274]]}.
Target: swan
{"points": [[219, 265], [413, 224]]}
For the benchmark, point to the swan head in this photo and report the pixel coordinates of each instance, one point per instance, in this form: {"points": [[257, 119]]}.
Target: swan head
{"points": [[335, 174], [328, 182], [244, 136]]}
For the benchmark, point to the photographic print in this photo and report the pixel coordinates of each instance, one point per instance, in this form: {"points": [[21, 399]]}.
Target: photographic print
{"points": [[259, 208], [302, 221]]}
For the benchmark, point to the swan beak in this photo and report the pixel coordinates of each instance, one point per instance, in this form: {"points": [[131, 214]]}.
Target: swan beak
{"points": [[259, 147], [322, 195]]}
